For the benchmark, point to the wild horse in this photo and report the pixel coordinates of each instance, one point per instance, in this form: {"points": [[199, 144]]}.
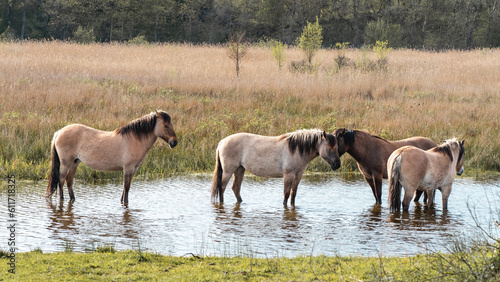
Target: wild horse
{"points": [[122, 149], [372, 152], [285, 156], [413, 168]]}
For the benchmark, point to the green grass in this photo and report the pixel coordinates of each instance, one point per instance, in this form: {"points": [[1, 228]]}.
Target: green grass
{"points": [[476, 265]]}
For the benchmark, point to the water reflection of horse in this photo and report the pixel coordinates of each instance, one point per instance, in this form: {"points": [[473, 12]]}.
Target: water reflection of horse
{"points": [[122, 149], [285, 156], [372, 152], [413, 168]]}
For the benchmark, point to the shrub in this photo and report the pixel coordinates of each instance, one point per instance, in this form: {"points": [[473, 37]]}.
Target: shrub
{"points": [[303, 67], [341, 60], [8, 35], [138, 40], [279, 54], [84, 35]]}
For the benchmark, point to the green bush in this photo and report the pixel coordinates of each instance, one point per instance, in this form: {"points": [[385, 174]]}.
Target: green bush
{"points": [[138, 40], [311, 39], [84, 35], [279, 53]]}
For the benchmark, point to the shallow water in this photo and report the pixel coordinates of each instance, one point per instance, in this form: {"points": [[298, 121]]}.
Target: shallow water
{"points": [[332, 216]]}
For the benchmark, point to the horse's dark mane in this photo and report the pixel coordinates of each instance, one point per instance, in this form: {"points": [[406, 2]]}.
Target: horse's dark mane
{"points": [[305, 140], [142, 126], [349, 136], [444, 148]]}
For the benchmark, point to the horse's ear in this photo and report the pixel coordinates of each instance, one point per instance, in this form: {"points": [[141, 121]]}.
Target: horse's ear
{"points": [[343, 131], [157, 113], [462, 143], [324, 134]]}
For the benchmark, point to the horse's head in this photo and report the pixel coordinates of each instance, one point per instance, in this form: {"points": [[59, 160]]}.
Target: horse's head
{"points": [[345, 139], [164, 128], [460, 161], [328, 150]]}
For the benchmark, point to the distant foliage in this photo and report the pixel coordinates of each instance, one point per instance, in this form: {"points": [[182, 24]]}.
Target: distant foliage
{"points": [[387, 32], [84, 36], [8, 35], [138, 40]]}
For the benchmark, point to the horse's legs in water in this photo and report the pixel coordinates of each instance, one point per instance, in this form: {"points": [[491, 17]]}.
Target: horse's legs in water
{"points": [[430, 198], [288, 180], [127, 179], [378, 188], [372, 182], [238, 178], [69, 180], [445, 193], [409, 191], [295, 185], [418, 193], [63, 173], [226, 176]]}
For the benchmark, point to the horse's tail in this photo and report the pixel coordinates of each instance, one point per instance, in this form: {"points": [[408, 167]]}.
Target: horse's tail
{"points": [[395, 184], [54, 169], [217, 181]]}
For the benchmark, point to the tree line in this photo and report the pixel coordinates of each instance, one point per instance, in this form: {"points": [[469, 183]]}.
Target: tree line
{"points": [[436, 24]]}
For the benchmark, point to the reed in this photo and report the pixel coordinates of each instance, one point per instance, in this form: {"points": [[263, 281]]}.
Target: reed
{"points": [[47, 85]]}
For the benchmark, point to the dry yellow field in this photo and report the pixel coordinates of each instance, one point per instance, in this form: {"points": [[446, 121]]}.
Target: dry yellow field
{"points": [[46, 85]]}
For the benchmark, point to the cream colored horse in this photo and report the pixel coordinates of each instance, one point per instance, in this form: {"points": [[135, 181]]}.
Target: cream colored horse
{"points": [[285, 156], [411, 168], [122, 149]]}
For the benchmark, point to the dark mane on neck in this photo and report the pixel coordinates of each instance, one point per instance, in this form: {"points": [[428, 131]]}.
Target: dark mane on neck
{"points": [[305, 140], [139, 127], [444, 148]]}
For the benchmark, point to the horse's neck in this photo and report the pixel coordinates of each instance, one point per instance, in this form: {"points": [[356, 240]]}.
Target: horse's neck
{"points": [[363, 145], [148, 141]]}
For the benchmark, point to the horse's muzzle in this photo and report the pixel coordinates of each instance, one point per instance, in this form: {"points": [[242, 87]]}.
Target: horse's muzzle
{"points": [[460, 171], [335, 165], [172, 143]]}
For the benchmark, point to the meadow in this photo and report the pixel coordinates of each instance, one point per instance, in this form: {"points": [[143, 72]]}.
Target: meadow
{"points": [[47, 85], [106, 264]]}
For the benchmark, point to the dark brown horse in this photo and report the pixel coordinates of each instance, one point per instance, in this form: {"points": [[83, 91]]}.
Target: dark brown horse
{"points": [[372, 152]]}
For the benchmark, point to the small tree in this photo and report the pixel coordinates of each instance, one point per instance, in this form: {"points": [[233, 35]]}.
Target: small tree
{"points": [[310, 40], [279, 54], [237, 50]]}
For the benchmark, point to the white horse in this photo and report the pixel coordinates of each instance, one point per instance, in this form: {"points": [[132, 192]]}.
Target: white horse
{"points": [[411, 168], [122, 149], [285, 156]]}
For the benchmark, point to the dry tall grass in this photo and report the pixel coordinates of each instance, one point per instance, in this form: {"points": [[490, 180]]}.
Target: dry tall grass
{"points": [[46, 85]]}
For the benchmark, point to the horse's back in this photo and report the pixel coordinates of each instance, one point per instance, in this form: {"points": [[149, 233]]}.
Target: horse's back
{"points": [[260, 155], [91, 146], [419, 142]]}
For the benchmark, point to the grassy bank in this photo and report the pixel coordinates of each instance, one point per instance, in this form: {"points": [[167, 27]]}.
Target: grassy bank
{"points": [[106, 264], [47, 85]]}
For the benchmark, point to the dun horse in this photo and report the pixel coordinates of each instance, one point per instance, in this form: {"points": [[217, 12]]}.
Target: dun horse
{"points": [[411, 168], [121, 149], [285, 156], [372, 152]]}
